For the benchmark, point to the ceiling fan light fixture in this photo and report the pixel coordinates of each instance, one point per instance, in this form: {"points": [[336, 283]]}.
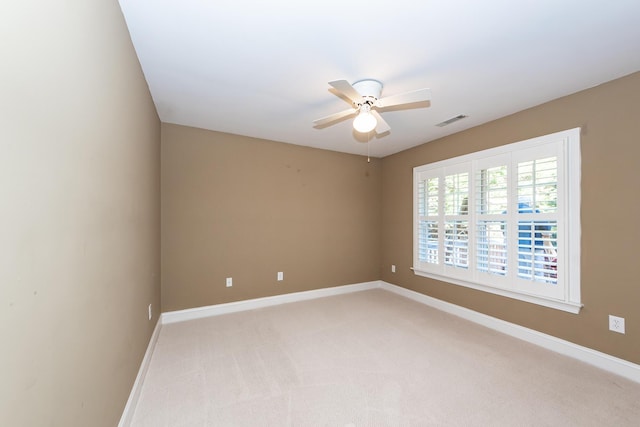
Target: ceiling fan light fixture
{"points": [[365, 100], [364, 121]]}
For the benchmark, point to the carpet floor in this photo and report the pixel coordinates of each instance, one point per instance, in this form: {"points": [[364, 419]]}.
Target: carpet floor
{"points": [[369, 358]]}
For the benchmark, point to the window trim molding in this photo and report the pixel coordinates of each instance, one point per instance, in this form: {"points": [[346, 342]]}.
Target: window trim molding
{"points": [[571, 170]]}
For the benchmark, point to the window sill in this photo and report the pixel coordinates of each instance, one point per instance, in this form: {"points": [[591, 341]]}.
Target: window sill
{"points": [[569, 307]]}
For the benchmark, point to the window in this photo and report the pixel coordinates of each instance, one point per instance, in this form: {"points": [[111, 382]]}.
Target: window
{"points": [[504, 220]]}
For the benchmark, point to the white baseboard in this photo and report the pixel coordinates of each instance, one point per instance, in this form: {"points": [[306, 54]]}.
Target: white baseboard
{"points": [[598, 359], [132, 402], [233, 307]]}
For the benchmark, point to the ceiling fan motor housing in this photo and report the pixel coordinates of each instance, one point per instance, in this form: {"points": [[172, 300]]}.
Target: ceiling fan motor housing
{"points": [[368, 88]]}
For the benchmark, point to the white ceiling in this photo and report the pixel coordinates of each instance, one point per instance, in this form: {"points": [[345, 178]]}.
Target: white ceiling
{"points": [[260, 68]]}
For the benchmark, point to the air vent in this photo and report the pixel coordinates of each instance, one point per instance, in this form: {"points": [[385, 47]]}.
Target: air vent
{"points": [[451, 120]]}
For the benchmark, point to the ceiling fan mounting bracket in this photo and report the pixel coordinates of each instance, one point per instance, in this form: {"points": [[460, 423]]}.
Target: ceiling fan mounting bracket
{"points": [[368, 88]]}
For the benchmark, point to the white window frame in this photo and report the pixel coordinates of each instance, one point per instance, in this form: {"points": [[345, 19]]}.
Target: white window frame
{"points": [[563, 295]]}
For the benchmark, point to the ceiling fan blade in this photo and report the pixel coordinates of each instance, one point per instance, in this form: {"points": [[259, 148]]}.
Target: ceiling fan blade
{"points": [[382, 126], [334, 117], [419, 95], [347, 90]]}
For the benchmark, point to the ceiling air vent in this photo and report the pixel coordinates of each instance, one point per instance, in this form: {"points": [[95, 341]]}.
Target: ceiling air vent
{"points": [[451, 120]]}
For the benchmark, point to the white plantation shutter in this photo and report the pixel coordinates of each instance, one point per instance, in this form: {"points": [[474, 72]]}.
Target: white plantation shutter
{"points": [[536, 210], [456, 220], [427, 220], [491, 178], [504, 220]]}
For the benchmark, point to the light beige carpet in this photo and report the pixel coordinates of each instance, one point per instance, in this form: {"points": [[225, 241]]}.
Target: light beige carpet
{"points": [[369, 358]]}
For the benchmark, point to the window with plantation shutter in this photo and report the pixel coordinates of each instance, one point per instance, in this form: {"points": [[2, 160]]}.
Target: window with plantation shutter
{"points": [[504, 220]]}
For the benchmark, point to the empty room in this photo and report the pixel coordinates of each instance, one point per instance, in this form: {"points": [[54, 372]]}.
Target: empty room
{"points": [[331, 214]]}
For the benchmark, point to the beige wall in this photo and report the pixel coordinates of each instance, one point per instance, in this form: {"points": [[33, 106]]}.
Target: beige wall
{"points": [[244, 208], [79, 213], [610, 117]]}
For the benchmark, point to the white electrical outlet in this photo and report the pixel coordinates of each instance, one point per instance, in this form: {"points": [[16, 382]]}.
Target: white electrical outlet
{"points": [[150, 312], [229, 282], [280, 275], [393, 268], [616, 324]]}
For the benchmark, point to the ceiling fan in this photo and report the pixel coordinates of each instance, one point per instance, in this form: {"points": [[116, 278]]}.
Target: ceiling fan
{"points": [[365, 96]]}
